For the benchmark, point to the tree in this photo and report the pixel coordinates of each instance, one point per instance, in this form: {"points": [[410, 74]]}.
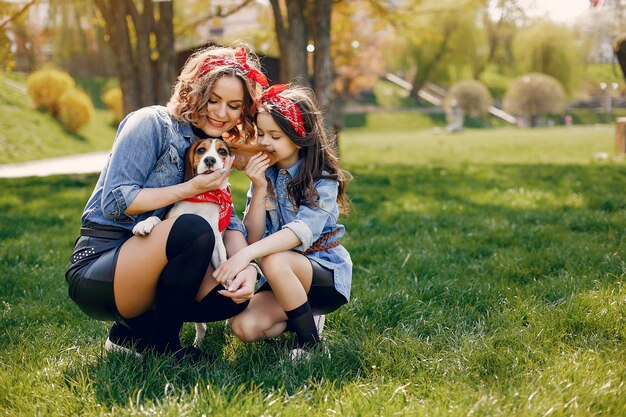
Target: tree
{"points": [[435, 35], [501, 20], [142, 41], [471, 96], [11, 17], [296, 23], [550, 49], [533, 95]]}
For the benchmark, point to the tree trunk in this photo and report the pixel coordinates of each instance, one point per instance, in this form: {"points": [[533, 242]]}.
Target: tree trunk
{"points": [[281, 36], [143, 27], [297, 42], [164, 29], [322, 68], [423, 71], [119, 42], [144, 80]]}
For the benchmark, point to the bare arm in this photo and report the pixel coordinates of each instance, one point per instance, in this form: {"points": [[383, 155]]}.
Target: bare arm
{"points": [[241, 288], [280, 241], [254, 219]]}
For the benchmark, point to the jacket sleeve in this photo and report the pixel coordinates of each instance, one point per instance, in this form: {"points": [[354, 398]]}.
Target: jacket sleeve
{"points": [[134, 156]]}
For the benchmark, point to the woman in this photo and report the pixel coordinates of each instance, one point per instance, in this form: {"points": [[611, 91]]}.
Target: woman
{"points": [[150, 285]]}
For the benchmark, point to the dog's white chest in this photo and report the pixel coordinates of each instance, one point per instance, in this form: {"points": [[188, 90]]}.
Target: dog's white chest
{"points": [[210, 211]]}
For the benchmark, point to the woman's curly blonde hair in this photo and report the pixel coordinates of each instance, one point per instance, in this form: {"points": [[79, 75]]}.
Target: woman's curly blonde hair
{"points": [[195, 85]]}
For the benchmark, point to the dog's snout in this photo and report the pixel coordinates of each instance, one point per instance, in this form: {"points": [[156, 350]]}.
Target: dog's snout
{"points": [[210, 161]]}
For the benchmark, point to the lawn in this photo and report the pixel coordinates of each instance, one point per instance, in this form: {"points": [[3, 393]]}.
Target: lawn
{"points": [[489, 280]]}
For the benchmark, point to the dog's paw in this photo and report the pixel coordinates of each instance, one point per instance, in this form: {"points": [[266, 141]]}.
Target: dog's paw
{"points": [[200, 333], [219, 253], [144, 228]]}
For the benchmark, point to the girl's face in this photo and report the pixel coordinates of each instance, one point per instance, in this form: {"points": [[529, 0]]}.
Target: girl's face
{"points": [[271, 138], [225, 106]]}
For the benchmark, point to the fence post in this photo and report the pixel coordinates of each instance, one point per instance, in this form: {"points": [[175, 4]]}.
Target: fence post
{"points": [[620, 135]]}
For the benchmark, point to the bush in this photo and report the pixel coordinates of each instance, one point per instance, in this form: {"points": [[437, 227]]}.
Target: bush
{"points": [[113, 100], [471, 96], [533, 95], [46, 86], [75, 109]]}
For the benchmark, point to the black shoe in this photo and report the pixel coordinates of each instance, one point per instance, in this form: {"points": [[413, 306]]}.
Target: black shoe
{"points": [[123, 340]]}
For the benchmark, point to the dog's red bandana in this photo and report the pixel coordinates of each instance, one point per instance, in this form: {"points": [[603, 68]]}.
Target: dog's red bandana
{"points": [[240, 62], [287, 108], [221, 197]]}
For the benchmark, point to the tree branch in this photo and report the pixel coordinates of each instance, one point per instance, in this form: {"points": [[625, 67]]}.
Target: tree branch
{"points": [[219, 13], [18, 13]]}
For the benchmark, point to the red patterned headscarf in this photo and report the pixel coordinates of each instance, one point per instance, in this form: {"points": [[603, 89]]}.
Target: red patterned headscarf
{"points": [[240, 63], [287, 108]]}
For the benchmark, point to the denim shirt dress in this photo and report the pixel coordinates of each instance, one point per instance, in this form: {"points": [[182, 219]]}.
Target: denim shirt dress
{"points": [[308, 222], [148, 152]]}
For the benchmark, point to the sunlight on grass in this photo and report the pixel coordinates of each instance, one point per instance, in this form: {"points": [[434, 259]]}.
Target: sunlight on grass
{"points": [[489, 280]]}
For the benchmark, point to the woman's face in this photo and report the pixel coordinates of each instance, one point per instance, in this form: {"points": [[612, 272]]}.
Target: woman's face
{"points": [[225, 106]]}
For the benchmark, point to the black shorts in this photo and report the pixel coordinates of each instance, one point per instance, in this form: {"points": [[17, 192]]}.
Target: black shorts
{"points": [[91, 271], [323, 297]]}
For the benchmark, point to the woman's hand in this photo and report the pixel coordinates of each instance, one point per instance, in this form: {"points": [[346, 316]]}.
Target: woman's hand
{"points": [[242, 287], [209, 182], [255, 170], [229, 269]]}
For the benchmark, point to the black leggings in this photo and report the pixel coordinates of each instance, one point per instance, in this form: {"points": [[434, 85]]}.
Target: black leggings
{"points": [[91, 271]]}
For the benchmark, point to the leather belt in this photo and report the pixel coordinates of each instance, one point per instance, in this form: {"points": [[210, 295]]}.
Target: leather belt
{"points": [[106, 233]]}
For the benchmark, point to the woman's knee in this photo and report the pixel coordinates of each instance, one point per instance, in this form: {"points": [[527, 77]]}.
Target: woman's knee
{"points": [[189, 230]]}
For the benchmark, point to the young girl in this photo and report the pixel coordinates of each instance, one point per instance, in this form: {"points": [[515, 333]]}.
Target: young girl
{"points": [[150, 285], [291, 219]]}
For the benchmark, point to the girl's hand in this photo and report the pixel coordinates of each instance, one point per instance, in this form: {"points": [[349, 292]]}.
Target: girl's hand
{"points": [[255, 170], [229, 269], [242, 287], [209, 182]]}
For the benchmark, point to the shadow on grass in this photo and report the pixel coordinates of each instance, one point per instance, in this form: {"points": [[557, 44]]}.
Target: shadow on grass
{"points": [[464, 272]]}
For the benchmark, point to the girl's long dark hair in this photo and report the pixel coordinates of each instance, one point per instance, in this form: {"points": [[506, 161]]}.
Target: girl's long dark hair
{"points": [[319, 154]]}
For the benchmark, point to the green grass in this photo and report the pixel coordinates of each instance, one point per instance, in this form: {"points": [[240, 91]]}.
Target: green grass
{"points": [[27, 134], [489, 280]]}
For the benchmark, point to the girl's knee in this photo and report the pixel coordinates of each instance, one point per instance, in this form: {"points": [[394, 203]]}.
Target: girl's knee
{"points": [[273, 264], [246, 328]]}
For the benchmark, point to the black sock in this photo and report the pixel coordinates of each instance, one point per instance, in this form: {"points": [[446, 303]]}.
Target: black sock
{"points": [[300, 320], [188, 250], [213, 307]]}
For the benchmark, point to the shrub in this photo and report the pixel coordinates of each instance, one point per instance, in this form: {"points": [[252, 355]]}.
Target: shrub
{"points": [[471, 96], [75, 109], [46, 86], [533, 95], [113, 100]]}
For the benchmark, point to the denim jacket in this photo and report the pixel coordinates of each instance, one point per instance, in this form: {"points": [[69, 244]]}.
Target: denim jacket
{"points": [[308, 222], [148, 152]]}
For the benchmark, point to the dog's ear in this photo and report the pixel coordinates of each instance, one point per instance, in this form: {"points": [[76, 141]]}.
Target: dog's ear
{"points": [[190, 171]]}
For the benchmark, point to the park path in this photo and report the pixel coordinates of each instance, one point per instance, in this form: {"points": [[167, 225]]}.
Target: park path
{"points": [[74, 164]]}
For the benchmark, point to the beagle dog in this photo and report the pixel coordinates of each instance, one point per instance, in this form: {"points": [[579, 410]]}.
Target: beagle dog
{"points": [[203, 157]]}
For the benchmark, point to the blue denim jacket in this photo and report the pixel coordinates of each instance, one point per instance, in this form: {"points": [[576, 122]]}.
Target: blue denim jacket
{"points": [[309, 222], [148, 152]]}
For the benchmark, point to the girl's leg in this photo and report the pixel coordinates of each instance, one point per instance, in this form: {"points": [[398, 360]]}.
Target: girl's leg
{"points": [[290, 275], [264, 318]]}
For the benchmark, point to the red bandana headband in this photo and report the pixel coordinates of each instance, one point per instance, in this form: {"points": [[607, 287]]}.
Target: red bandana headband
{"points": [[239, 63], [287, 108]]}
